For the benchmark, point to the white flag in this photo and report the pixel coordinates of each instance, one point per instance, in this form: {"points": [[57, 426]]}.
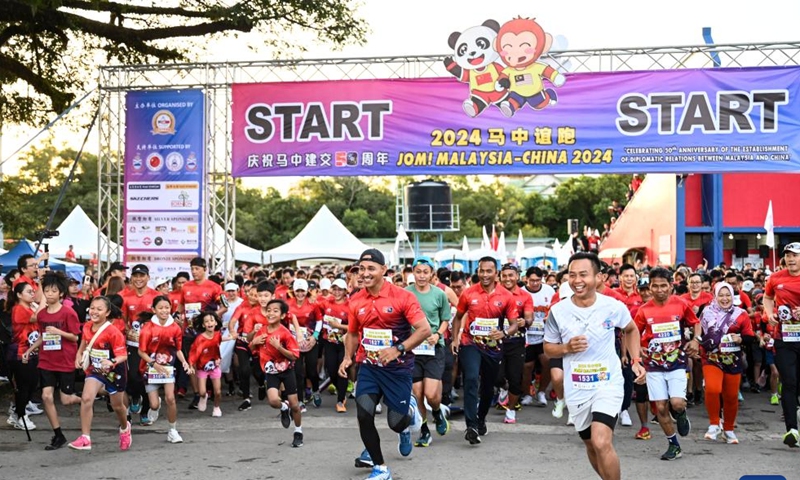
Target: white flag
{"points": [[769, 226]]}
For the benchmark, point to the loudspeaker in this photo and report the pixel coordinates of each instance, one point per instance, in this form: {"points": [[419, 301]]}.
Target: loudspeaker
{"points": [[763, 251], [740, 249], [572, 226]]}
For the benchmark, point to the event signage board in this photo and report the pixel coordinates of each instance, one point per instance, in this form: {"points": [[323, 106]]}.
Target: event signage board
{"points": [[667, 121], [164, 179]]}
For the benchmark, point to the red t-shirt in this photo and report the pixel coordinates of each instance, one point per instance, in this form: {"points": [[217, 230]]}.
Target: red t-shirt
{"points": [[197, 297], [631, 300], [524, 304], [109, 345], [281, 292], [29, 281], [57, 354], [484, 311], [699, 303], [161, 342], [307, 314], [69, 256], [240, 315], [25, 333], [327, 309], [383, 321], [270, 359], [205, 352], [663, 333], [175, 298], [132, 305], [785, 290], [744, 300]]}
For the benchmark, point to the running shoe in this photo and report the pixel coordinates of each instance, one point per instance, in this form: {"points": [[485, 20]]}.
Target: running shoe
{"points": [[672, 453], [364, 460], [424, 440], [23, 422], [195, 401], [33, 409], [378, 409], [81, 443], [712, 433], [303, 408], [56, 442], [173, 436], [442, 424], [643, 434], [181, 393], [246, 405], [340, 408], [202, 404], [541, 400], [317, 399], [558, 408], [12, 419], [654, 420], [153, 414], [472, 436], [791, 438], [684, 425], [570, 420], [502, 397], [454, 394], [404, 445], [332, 389], [510, 417], [262, 392], [146, 421], [774, 399], [217, 412], [380, 473], [625, 419], [297, 441], [741, 397], [286, 416], [125, 439], [527, 400], [730, 438], [136, 407], [482, 430]]}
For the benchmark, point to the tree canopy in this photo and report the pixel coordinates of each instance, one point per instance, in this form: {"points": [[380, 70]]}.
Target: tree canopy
{"points": [[50, 48]]}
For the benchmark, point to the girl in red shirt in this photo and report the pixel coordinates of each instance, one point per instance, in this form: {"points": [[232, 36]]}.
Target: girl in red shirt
{"points": [[25, 333], [160, 343], [205, 358], [107, 370]]}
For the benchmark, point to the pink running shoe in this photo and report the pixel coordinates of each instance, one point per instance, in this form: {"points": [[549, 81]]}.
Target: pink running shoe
{"points": [[509, 420], [125, 439], [81, 443]]}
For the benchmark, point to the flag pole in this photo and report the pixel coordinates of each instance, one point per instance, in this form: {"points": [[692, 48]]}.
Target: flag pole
{"points": [[774, 264]]}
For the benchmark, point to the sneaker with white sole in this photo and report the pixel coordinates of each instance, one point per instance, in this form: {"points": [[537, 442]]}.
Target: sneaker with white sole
{"points": [[33, 409], [12, 419], [712, 433], [217, 412], [24, 421], [153, 414], [202, 404], [730, 438], [625, 419], [558, 408], [173, 436], [526, 401], [416, 418], [378, 409], [570, 420], [541, 400], [81, 443]]}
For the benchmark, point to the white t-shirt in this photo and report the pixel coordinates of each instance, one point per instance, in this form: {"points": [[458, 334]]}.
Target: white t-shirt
{"points": [[541, 305], [226, 317], [599, 366]]}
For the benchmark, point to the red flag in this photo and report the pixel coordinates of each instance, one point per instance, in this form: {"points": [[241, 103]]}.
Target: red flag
{"points": [[495, 241]]}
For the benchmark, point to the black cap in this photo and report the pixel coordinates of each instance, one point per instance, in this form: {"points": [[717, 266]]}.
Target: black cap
{"points": [[117, 266], [74, 280], [644, 283], [140, 268], [372, 255]]}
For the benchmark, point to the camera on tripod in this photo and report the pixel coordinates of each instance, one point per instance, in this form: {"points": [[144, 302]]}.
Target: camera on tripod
{"points": [[46, 234]]}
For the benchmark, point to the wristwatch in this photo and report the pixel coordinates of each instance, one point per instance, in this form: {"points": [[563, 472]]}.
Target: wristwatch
{"points": [[400, 348]]}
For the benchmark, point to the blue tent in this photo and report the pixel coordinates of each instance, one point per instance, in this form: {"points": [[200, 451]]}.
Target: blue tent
{"points": [[9, 261]]}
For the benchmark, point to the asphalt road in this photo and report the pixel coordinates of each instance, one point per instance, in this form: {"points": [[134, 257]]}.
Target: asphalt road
{"points": [[253, 445]]}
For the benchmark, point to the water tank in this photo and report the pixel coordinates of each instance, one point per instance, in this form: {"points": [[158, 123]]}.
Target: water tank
{"points": [[429, 206]]}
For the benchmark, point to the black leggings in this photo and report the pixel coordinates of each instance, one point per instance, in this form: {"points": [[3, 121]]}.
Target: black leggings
{"points": [[365, 413], [26, 376], [245, 370], [135, 387], [627, 375], [511, 367], [334, 354], [787, 360], [306, 367]]}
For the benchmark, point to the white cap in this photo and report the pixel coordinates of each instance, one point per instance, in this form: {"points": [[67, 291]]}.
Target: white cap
{"points": [[300, 284], [231, 286], [325, 284], [161, 281], [564, 291], [339, 283], [411, 279], [748, 285]]}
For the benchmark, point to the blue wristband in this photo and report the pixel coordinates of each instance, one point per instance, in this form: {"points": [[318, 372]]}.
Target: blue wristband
{"points": [[316, 335]]}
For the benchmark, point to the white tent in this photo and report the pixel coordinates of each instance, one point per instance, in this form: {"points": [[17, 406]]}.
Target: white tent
{"points": [[323, 237], [79, 231]]}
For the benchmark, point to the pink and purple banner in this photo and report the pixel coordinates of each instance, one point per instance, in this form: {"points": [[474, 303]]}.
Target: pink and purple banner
{"points": [[522, 122]]}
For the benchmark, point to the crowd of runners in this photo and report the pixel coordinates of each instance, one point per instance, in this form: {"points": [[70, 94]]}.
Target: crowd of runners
{"points": [[587, 342]]}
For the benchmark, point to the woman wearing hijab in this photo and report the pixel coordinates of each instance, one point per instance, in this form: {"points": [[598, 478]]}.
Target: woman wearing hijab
{"points": [[725, 328]]}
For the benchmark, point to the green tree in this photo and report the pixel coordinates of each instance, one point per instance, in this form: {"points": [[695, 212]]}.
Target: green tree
{"points": [[585, 198], [48, 48]]}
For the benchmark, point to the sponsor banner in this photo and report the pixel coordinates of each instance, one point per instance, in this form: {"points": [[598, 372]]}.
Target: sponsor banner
{"points": [[670, 121], [164, 179]]}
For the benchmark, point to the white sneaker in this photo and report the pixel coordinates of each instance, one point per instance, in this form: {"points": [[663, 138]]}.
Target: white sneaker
{"points": [[21, 426], [541, 399], [730, 438], [12, 419], [712, 433], [153, 414], [625, 419], [558, 408], [378, 408], [217, 412], [33, 409], [173, 436], [11, 409], [502, 397], [570, 421], [416, 418], [526, 401], [454, 394]]}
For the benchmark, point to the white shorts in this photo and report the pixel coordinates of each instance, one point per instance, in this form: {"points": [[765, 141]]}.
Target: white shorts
{"points": [[226, 352], [605, 400], [666, 385]]}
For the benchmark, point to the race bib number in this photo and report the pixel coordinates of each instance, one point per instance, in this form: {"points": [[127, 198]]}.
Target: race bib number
{"points": [[374, 340], [51, 341], [334, 334], [425, 349], [153, 377], [305, 346], [790, 332], [666, 332], [192, 310], [482, 327], [726, 345], [97, 356], [589, 375]]}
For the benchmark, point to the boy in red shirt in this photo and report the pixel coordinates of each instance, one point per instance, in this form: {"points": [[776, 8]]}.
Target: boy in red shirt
{"points": [[277, 351]]}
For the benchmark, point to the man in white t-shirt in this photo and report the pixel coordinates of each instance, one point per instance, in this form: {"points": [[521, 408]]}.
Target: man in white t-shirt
{"points": [[581, 331]]}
